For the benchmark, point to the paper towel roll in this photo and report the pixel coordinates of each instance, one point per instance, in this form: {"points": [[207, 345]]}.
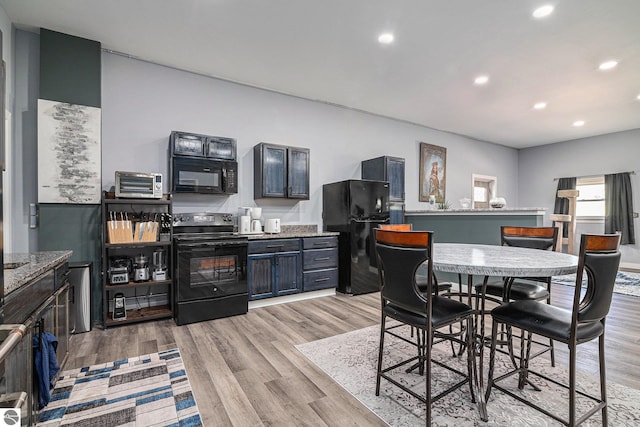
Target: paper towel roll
{"points": [[245, 224]]}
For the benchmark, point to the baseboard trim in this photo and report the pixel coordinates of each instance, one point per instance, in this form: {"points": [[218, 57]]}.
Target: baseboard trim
{"points": [[632, 267], [291, 298]]}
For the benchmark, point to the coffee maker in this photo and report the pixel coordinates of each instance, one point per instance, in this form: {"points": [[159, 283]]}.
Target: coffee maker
{"points": [[159, 264]]}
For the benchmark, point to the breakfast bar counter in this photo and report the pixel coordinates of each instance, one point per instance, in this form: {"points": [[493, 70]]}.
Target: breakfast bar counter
{"points": [[473, 225]]}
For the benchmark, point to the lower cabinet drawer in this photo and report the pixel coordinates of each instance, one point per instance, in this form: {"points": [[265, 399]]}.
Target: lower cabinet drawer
{"points": [[319, 258], [320, 279]]}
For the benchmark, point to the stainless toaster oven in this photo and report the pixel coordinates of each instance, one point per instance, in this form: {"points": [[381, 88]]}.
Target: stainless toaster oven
{"points": [[138, 185]]}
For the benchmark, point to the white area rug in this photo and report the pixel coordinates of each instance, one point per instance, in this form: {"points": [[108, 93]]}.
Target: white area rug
{"points": [[626, 282], [350, 359]]}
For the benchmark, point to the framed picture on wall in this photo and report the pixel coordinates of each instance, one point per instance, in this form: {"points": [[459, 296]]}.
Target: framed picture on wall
{"points": [[433, 168], [69, 154]]}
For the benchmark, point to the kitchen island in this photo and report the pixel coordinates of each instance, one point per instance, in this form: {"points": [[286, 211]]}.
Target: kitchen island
{"points": [[473, 225], [36, 300], [20, 269]]}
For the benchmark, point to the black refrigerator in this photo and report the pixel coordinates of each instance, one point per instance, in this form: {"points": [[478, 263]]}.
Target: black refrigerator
{"points": [[354, 208]]}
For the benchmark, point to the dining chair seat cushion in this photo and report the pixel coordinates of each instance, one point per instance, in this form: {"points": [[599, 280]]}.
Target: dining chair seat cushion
{"points": [[546, 320], [520, 290], [444, 311]]}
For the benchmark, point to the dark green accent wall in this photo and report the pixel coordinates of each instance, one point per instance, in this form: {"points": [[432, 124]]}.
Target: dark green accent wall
{"points": [[70, 71], [475, 228]]}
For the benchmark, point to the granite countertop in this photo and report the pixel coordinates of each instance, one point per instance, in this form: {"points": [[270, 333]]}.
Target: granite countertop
{"points": [[292, 232], [29, 266], [490, 211]]}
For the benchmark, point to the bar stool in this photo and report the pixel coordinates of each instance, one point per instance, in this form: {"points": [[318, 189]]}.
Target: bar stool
{"points": [[572, 195], [559, 220]]}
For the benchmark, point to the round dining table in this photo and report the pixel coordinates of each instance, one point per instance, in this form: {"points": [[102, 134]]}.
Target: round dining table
{"points": [[495, 261]]}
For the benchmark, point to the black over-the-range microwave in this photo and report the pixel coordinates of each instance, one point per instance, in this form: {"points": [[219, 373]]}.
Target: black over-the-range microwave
{"points": [[203, 164]]}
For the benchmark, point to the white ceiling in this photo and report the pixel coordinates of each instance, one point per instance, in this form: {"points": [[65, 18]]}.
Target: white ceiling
{"points": [[327, 50]]}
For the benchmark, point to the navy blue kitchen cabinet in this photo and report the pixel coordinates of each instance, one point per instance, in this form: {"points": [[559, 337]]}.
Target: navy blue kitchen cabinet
{"points": [[274, 268], [389, 169], [319, 263], [280, 172]]}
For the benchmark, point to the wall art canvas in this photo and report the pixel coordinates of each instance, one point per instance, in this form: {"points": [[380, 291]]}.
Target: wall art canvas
{"points": [[69, 162], [433, 164]]}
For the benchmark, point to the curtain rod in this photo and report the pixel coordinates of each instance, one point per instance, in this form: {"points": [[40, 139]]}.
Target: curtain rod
{"points": [[594, 176]]}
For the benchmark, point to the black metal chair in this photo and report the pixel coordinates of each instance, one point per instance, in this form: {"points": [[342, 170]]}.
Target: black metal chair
{"points": [[599, 258], [400, 254], [530, 288]]}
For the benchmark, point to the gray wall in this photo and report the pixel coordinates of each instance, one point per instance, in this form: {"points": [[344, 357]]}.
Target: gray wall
{"points": [[24, 164], [611, 153], [142, 103]]}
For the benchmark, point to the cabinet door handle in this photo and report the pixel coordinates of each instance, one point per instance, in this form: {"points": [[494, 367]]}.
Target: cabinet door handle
{"points": [[274, 246], [325, 258], [323, 279]]}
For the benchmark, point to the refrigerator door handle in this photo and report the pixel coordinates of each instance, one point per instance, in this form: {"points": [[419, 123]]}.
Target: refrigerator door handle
{"points": [[371, 221]]}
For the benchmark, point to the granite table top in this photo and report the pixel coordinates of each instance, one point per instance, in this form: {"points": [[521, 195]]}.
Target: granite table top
{"points": [[501, 261], [25, 267]]}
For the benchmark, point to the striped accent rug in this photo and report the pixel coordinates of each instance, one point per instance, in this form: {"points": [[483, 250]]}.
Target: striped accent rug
{"points": [[149, 390], [627, 283]]}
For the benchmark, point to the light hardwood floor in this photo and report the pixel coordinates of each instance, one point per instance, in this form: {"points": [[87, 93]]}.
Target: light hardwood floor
{"points": [[245, 370]]}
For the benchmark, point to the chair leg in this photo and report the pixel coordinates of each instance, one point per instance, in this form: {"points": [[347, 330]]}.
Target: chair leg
{"points": [[552, 354], [380, 349], [470, 359], [427, 363], [572, 384], [492, 358], [603, 380], [524, 359]]}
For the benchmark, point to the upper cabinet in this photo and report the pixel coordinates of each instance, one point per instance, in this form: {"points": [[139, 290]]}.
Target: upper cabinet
{"points": [[389, 169], [280, 171]]}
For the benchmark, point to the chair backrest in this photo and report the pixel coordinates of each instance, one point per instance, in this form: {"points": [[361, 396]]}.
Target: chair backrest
{"points": [[399, 254], [396, 227], [599, 258], [529, 237]]}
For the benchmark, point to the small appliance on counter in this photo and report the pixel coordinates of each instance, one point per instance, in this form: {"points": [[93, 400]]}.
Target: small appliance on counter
{"points": [[249, 220], [140, 268], [119, 307], [119, 270], [159, 264], [272, 225]]}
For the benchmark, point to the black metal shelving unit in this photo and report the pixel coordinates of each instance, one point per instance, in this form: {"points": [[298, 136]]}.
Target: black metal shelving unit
{"points": [[135, 210]]}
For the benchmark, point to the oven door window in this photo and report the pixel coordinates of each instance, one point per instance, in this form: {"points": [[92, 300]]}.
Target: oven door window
{"points": [[210, 273]]}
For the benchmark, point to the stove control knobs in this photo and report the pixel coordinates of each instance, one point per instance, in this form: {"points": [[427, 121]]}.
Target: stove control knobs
{"points": [[227, 218]]}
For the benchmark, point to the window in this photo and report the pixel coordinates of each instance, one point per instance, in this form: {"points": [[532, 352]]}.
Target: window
{"points": [[590, 202], [484, 189]]}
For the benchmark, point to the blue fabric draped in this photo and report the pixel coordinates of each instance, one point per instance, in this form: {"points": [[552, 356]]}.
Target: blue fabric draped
{"points": [[46, 365]]}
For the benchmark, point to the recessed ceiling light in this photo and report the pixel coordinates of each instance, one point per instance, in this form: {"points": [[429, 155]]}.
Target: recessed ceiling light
{"points": [[543, 11], [539, 105], [481, 80], [578, 123], [638, 97], [608, 65], [385, 38]]}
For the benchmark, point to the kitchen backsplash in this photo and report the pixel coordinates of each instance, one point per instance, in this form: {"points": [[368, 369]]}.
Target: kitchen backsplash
{"points": [[299, 228]]}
